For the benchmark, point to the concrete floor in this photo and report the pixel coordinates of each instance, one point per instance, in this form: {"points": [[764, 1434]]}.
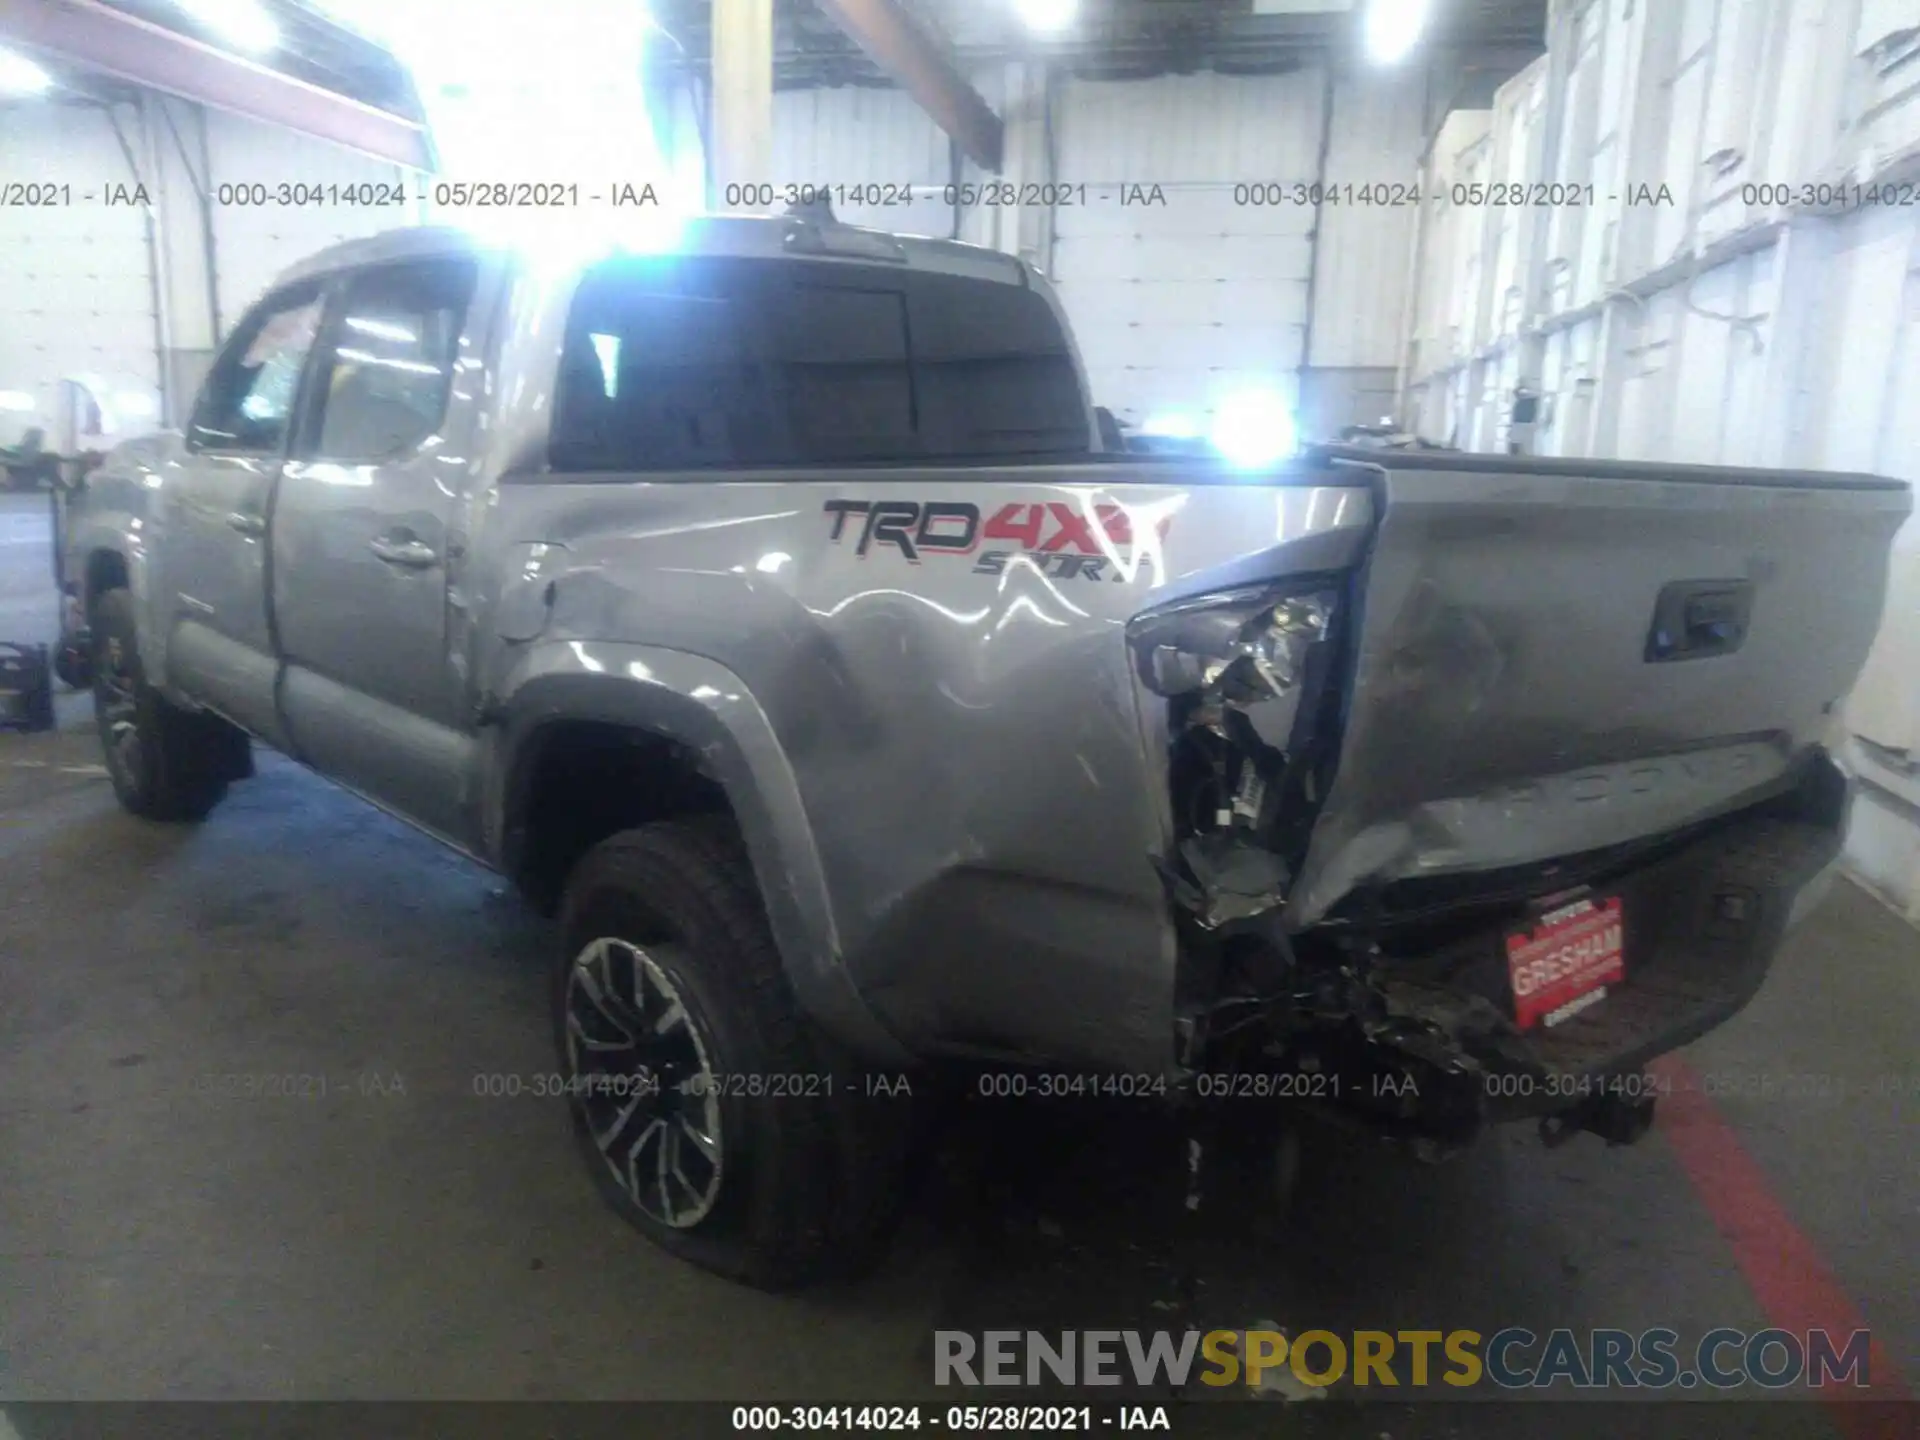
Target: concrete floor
{"points": [[159, 1241]]}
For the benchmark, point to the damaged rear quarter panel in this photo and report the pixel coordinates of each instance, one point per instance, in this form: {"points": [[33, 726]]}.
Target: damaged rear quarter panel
{"points": [[985, 790]]}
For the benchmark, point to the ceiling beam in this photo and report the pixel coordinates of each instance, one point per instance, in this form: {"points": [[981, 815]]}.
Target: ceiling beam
{"points": [[925, 71], [740, 149], [94, 37]]}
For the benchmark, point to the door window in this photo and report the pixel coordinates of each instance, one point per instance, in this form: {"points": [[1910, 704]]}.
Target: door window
{"points": [[382, 381], [248, 399]]}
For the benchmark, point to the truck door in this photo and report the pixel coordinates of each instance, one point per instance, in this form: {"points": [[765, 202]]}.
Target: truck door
{"points": [[210, 582], [363, 547]]}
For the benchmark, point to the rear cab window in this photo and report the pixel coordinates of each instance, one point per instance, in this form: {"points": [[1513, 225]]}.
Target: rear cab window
{"points": [[677, 363]]}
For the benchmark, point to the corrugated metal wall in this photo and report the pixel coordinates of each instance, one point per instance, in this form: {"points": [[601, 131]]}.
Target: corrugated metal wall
{"points": [[1180, 293], [1366, 245], [1712, 320], [1177, 297], [76, 285], [253, 243], [84, 291], [1182, 287], [884, 162]]}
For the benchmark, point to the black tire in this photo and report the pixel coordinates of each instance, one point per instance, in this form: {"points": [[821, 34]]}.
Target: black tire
{"points": [[807, 1165], [165, 763]]}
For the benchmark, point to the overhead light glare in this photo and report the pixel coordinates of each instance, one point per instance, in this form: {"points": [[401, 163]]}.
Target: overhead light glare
{"points": [[1172, 425], [371, 18], [1254, 428], [241, 23], [20, 76], [1047, 16], [1393, 27]]}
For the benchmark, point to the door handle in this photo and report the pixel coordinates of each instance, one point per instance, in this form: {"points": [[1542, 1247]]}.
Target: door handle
{"points": [[412, 554], [249, 525]]}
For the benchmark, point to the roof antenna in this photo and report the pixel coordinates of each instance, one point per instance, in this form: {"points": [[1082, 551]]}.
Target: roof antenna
{"points": [[815, 207]]}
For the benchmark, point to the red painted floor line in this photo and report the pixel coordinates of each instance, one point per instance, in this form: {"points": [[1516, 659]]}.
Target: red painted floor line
{"points": [[1786, 1272]]}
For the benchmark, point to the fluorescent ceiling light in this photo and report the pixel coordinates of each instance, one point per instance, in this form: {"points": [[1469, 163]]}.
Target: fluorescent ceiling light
{"points": [[1393, 27], [381, 330], [1045, 15], [17, 401], [367, 357], [20, 76], [242, 23]]}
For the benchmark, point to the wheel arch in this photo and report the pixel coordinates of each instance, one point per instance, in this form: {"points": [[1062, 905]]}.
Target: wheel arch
{"points": [[107, 568], [695, 735]]}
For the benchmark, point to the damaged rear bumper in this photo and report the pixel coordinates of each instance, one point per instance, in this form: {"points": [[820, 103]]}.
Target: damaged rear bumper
{"points": [[1410, 1019], [1702, 928]]}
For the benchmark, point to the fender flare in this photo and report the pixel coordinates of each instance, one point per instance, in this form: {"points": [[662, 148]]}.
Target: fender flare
{"points": [[703, 706], [109, 522]]}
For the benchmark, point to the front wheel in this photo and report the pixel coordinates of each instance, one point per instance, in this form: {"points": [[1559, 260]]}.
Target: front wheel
{"points": [[165, 763], [710, 1112]]}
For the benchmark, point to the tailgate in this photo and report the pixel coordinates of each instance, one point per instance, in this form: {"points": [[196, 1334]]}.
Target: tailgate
{"points": [[1554, 658]]}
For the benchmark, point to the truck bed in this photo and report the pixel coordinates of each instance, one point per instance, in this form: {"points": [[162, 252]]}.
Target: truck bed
{"points": [[1556, 656]]}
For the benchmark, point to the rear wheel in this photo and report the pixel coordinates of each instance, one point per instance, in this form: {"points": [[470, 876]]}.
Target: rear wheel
{"points": [[165, 763], [710, 1112]]}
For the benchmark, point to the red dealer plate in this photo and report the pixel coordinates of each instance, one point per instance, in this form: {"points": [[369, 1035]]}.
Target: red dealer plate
{"points": [[1566, 962]]}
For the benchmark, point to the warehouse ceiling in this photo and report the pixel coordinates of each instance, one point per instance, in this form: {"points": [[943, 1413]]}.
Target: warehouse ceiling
{"points": [[275, 61], [1115, 39], [329, 61], [310, 48]]}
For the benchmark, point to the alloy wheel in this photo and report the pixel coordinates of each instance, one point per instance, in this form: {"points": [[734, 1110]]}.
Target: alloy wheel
{"points": [[117, 707], [643, 1082]]}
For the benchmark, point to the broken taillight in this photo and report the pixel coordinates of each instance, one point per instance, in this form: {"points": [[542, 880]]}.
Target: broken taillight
{"points": [[1240, 646], [1237, 671]]}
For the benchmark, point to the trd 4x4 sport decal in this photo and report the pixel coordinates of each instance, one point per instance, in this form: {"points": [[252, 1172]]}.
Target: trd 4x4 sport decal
{"points": [[1058, 539]]}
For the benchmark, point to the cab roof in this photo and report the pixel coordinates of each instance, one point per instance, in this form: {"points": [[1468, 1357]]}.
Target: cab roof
{"points": [[734, 236]]}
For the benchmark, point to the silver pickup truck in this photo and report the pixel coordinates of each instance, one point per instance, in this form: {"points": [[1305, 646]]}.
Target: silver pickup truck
{"points": [[772, 610]]}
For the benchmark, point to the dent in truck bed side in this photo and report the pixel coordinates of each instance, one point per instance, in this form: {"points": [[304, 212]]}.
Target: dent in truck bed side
{"points": [[986, 794]]}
